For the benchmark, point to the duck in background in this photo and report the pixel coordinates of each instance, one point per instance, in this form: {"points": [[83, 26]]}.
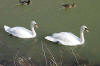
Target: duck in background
{"points": [[69, 5], [23, 2]]}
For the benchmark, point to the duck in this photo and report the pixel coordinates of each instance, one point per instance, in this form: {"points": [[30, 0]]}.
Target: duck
{"points": [[22, 2], [69, 5], [22, 32], [68, 38]]}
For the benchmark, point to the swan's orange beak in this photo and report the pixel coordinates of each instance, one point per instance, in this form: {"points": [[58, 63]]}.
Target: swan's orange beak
{"points": [[86, 30], [36, 26]]}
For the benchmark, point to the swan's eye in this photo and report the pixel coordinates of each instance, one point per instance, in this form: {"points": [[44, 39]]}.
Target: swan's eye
{"points": [[86, 29]]}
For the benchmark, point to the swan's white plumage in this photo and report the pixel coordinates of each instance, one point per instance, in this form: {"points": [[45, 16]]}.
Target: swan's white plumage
{"points": [[67, 38], [20, 32], [66, 35], [6, 28], [50, 38]]}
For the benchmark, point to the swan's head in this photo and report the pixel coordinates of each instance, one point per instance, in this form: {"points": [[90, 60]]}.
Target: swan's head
{"points": [[84, 28], [34, 24]]}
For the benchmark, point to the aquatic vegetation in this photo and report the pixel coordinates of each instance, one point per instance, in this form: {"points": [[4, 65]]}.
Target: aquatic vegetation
{"points": [[51, 60]]}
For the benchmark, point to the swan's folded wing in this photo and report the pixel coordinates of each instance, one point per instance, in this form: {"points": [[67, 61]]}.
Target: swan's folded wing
{"points": [[72, 38], [21, 32], [66, 37], [60, 36]]}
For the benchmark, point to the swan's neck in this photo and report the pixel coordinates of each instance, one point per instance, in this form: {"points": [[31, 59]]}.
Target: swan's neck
{"points": [[33, 32], [82, 40]]}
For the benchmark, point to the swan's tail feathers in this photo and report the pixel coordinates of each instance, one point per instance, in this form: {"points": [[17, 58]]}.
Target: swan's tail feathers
{"points": [[6, 28], [50, 38]]}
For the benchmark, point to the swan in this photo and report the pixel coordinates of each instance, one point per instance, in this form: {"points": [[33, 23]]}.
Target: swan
{"points": [[68, 38], [22, 32]]}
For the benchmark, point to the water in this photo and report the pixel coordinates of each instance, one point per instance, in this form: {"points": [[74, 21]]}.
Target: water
{"points": [[51, 17]]}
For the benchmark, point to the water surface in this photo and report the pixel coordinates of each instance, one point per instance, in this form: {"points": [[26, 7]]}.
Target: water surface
{"points": [[51, 17]]}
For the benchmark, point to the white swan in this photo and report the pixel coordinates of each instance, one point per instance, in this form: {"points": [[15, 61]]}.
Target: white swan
{"points": [[67, 38], [22, 32]]}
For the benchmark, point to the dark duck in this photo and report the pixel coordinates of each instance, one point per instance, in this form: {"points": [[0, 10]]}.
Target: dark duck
{"points": [[23, 2], [69, 5]]}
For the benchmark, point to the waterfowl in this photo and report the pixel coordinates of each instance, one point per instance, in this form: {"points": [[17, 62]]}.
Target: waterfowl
{"points": [[22, 32], [22, 2], [69, 5], [68, 38]]}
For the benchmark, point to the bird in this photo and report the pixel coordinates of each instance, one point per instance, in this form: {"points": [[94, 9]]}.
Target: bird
{"points": [[22, 32], [68, 38], [69, 5], [22, 2]]}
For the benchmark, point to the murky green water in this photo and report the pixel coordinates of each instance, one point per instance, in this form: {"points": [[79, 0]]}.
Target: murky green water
{"points": [[51, 17]]}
